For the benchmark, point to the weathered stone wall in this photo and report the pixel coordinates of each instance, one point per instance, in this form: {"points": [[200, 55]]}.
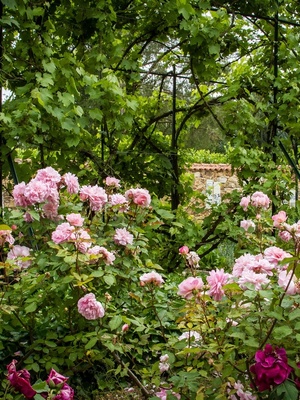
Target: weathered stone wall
{"points": [[221, 173]]}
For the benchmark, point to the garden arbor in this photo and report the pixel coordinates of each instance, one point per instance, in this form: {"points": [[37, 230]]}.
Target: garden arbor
{"points": [[97, 78]]}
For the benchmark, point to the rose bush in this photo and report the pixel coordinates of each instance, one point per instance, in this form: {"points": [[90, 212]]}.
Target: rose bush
{"points": [[83, 293]]}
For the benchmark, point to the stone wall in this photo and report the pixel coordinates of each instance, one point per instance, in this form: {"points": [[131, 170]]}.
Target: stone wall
{"points": [[220, 174]]}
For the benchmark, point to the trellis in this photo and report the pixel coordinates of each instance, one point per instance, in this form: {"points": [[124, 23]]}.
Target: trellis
{"points": [[175, 197]]}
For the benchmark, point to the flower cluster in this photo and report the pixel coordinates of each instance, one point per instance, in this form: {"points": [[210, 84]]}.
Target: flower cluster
{"points": [[20, 381]]}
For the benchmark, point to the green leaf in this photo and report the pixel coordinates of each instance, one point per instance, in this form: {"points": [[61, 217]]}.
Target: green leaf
{"points": [[109, 280], [31, 307], [91, 343], [115, 322], [287, 391], [165, 214], [9, 3], [282, 331]]}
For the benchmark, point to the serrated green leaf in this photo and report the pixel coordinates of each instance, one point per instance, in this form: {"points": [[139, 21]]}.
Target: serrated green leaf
{"points": [[282, 331]]}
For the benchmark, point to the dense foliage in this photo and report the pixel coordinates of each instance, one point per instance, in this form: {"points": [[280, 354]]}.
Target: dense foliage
{"points": [[86, 295], [92, 87]]}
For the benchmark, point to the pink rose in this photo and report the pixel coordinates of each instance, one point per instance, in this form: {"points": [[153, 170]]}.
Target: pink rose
{"points": [[18, 253], [89, 307], [284, 281], [96, 196], [261, 200], [184, 250], [20, 380], [82, 240], [56, 378], [216, 280], [247, 224], [111, 181], [163, 394], [71, 181], [285, 236], [36, 191], [152, 277], [19, 195], [108, 257], [62, 233], [275, 254], [251, 277], [123, 237], [48, 175], [245, 201], [125, 328], [279, 219], [189, 286], [75, 219], [140, 197], [50, 211], [65, 393]]}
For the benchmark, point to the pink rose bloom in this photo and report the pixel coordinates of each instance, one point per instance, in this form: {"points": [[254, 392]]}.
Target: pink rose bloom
{"points": [[65, 393], [75, 219], [71, 181], [56, 378], [19, 195], [50, 211], [48, 175], [62, 233], [245, 201], [36, 191], [163, 394], [114, 182], [20, 380], [261, 266], [285, 236], [140, 197], [123, 237], [259, 199], [279, 219], [53, 195], [27, 217], [251, 277], [284, 279], [216, 280], [271, 367], [152, 277], [188, 287], [274, 255], [241, 393], [108, 257], [89, 307], [82, 240], [184, 250], [117, 199], [18, 253], [246, 224], [96, 196], [244, 262], [125, 328]]}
